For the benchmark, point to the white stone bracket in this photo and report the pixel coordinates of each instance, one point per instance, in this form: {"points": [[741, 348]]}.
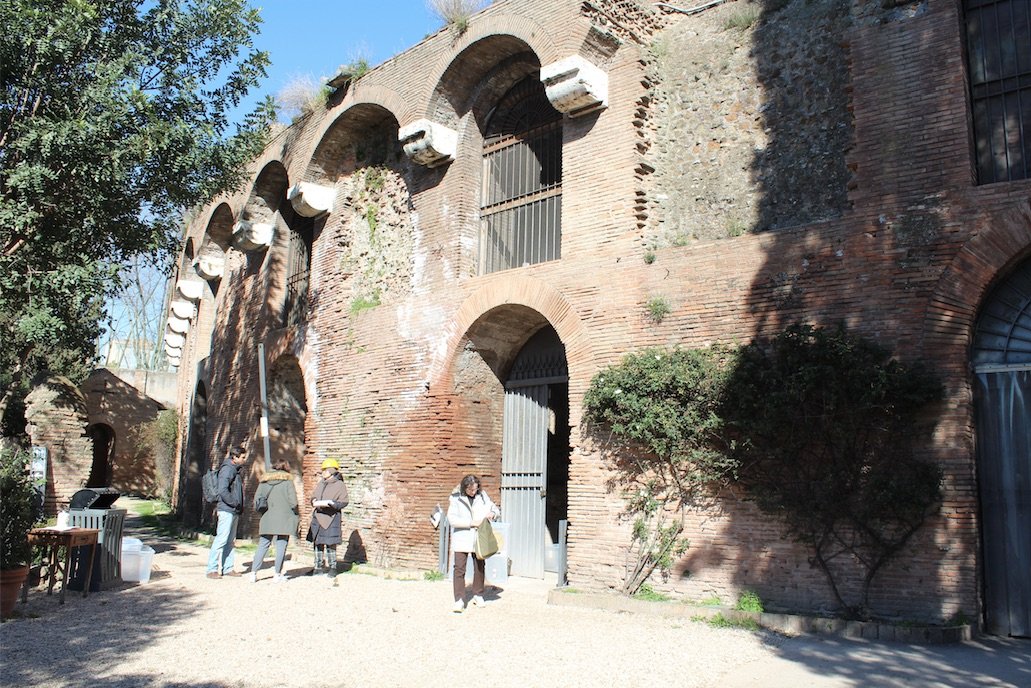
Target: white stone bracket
{"points": [[575, 86], [428, 143], [252, 236], [311, 200], [210, 266], [190, 289], [183, 309]]}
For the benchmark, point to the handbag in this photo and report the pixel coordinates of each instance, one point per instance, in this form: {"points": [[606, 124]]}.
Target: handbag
{"points": [[261, 502], [486, 542]]}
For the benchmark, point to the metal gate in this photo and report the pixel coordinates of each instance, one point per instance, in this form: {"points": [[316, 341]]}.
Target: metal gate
{"points": [[1002, 364], [524, 457], [1004, 471]]}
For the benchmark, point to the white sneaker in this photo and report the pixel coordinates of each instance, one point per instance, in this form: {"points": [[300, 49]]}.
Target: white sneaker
{"points": [[253, 576], [458, 607], [477, 601], [279, 578]]}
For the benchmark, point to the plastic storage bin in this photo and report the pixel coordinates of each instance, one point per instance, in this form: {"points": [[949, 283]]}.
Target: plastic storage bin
{"points": [[137, 559]]}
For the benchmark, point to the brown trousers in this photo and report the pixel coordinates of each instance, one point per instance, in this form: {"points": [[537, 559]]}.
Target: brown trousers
{"points": [[479, 568]]}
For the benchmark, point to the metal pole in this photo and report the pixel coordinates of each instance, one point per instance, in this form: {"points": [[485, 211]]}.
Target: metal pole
{"points": [[264, 408], [562, 579], [443, 545]]}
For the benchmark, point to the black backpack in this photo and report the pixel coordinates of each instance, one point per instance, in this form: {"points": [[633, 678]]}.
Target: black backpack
{"points": [[209, 485]]}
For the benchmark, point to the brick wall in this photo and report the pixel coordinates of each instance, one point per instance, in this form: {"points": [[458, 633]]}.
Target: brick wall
{"points": [[56, 415], [117, 404], [408, 393]]}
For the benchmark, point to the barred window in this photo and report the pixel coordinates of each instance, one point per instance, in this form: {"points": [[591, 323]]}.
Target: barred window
{"points": [[521, 198], [298, 268], [999, 55]]}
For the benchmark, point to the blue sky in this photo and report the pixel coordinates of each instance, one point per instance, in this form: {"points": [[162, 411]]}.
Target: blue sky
{"points": [[314, 37]]}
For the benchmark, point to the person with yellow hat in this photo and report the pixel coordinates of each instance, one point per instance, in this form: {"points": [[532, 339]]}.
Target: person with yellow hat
{"points": [[327, 500]]}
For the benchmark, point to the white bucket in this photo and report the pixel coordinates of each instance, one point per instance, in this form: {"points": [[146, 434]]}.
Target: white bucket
{"points": [[136, 564]]}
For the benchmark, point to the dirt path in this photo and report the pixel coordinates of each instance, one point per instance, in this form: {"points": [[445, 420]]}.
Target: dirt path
{"points": [[182, 629]]}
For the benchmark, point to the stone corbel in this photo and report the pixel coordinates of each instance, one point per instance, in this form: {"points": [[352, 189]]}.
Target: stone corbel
{"points": [[428, 143], [311, 200], [252, 236], [174, 362], [575, 86], [190, 289], [174, 340], [183, 309], [211, 266], [173, 352], [178, 325]]}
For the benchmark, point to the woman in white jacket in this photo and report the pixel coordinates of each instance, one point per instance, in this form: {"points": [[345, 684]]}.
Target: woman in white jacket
{"points": [[467, 508]]}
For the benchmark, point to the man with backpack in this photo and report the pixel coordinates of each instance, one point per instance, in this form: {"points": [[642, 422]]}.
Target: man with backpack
{"points": [[230, 506]]}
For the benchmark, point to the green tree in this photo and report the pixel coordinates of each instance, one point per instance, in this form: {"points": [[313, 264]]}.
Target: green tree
{"points": [[114, 118]]}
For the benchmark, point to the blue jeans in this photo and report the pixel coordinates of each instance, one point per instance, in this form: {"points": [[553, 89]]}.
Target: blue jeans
{"points": [[222, 545]]}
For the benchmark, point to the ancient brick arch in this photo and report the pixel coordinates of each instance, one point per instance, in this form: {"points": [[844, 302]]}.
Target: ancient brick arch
{"points": [[499, 319], [364, 133], [219, 232], [490, 41], [478, 76], [1004, 240], [267, 194]]}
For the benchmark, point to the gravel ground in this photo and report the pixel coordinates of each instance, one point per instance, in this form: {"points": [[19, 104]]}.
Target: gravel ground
{"points": [[182, 629]]}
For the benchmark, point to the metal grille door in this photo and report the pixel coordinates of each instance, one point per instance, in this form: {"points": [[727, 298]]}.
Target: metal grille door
{"points": [[1004, 470], [1002, 362], [524, 455]]}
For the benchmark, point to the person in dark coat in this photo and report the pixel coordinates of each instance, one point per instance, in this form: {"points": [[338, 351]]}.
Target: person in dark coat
{"points": [[230, 506], [278, 521], [327, 500]]}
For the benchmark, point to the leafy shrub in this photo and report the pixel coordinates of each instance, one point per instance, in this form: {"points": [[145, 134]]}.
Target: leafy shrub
{"points": [[658, 308], [824, 425], [749, 601], [19, 504], [659, 407], [818, 426], [158, 437]]}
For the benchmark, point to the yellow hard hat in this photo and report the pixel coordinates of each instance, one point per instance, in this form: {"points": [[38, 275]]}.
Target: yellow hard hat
{"points": [[331, 463]]}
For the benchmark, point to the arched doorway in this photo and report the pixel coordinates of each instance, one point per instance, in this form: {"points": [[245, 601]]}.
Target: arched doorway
{"points": [[1001, 357], [287, 410], [103, 437], [535, 453], [196, 460]]}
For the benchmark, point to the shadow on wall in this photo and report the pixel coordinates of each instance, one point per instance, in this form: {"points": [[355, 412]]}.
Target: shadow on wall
{"points": [[858, 228], [798, 120], [355, 552]]}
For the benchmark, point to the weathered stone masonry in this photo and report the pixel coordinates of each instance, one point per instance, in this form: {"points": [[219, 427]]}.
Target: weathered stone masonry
{"points": [[767, 175]]}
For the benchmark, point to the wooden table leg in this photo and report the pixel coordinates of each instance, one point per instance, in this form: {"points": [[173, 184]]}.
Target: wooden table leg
{"points": [[89, 571], [64, 573], [52, 573]]}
